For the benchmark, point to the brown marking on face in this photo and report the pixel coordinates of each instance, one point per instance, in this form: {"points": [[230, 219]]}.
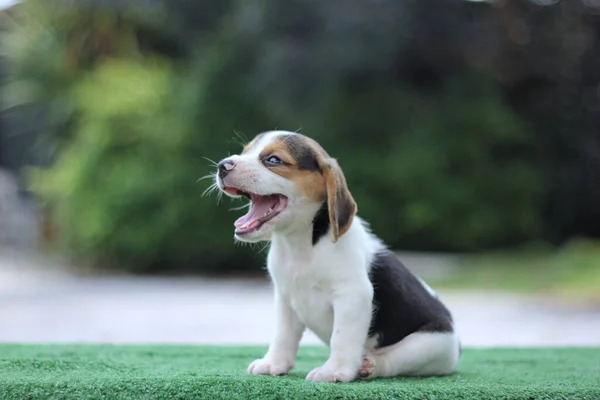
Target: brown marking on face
{"points": [[300, 166], [340, 204], [315, 173]]}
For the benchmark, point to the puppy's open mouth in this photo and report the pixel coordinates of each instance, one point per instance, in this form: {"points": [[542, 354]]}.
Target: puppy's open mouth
{"points": [[263, 209]]}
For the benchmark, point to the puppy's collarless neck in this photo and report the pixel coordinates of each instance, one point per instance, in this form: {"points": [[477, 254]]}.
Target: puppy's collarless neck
{"points": [[310, 234], [297, 245]]}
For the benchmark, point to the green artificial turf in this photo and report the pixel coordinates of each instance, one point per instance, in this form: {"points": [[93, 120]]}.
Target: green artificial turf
{"points": [[196, 372]]}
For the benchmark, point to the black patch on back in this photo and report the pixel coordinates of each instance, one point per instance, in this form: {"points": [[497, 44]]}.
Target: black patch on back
{"points": [[305, 157], [401, 305], [320, 223]]}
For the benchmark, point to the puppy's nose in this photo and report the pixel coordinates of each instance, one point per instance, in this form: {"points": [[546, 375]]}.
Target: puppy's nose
{"points": [[225, 167]]}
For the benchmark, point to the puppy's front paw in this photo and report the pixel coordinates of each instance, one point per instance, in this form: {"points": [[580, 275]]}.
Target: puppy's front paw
{"points": [[269, 366], [332, 373]]}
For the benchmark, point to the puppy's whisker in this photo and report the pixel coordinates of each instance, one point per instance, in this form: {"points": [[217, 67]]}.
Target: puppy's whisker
{"points": [[209, 190], [241, 207], [240, 137], [209, 176], [265, 247], [241, 243], [213, 162]]}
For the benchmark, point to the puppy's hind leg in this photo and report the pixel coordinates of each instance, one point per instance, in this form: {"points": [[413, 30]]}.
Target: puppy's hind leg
{"points": [[418, 354]]}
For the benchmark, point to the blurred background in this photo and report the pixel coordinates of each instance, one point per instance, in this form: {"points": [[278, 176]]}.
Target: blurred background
{"points": [[469, 133]]}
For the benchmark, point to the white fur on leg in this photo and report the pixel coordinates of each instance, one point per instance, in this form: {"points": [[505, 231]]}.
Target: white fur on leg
{"points": [[282, 351], [352, 314], [418, 354]]}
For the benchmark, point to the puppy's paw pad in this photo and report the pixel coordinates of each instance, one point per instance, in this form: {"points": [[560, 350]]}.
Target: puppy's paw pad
{"points": [[368, 368], [269, 367]]}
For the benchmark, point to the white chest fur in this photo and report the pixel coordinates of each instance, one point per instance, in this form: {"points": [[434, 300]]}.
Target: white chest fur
{"points": [[308, 292], [309, 277]]}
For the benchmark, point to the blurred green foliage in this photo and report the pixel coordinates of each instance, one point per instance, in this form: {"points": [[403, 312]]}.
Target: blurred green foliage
{"points": [[438, 172], [134, 104]]}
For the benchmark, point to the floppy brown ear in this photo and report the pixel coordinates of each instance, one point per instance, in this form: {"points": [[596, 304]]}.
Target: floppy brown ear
{"points": [[340, 202]]}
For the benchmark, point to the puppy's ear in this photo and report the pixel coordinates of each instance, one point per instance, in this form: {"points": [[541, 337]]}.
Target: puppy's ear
{"points": [[340, 203]]}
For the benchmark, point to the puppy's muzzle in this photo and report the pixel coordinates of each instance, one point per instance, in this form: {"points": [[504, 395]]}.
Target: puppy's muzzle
{"points": [[225, 167]]}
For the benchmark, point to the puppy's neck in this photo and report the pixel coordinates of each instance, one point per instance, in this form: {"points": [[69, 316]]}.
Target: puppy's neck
{"points": [[302, 239], [296, 243]]}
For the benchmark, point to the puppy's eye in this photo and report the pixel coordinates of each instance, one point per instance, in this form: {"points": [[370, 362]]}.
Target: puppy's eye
{"points": [[273, 160]]}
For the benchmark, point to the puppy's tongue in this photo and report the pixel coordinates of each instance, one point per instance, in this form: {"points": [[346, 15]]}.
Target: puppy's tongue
{"points": [[261, 207]]}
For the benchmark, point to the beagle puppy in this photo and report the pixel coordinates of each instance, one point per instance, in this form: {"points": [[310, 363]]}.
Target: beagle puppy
{"points": [[330, 274]]}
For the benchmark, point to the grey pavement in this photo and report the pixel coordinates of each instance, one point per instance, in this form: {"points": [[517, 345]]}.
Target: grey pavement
{"points": [[18, 219], [42, 302]]}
